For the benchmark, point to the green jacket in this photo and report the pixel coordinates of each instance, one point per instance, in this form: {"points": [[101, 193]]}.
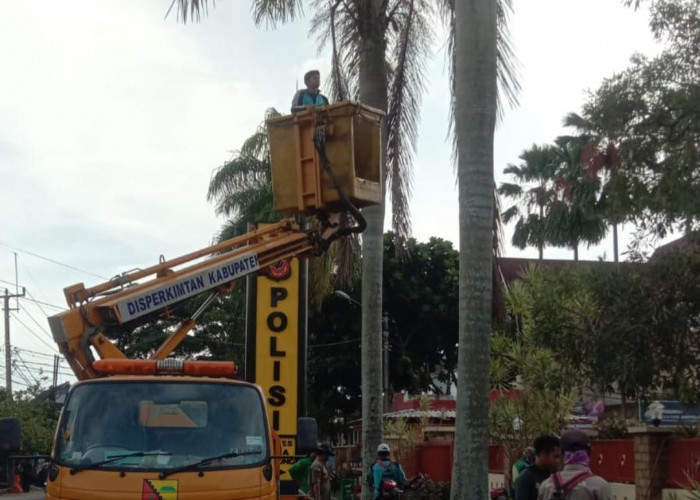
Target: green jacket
{"points": [[300, 473]]}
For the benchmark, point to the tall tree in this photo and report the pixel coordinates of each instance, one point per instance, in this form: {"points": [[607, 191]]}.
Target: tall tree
{"points": [[382, 44], [650, 112], [604, 156], [575, 216], [475, 109], [242, 187], [533, 191]]}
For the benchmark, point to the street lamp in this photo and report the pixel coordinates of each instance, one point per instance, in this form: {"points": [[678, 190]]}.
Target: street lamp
{"points": [[385, 347], [342, 295]]}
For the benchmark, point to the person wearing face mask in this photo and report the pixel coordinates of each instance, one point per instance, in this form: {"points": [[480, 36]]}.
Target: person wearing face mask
{"points": [[575, 481]]}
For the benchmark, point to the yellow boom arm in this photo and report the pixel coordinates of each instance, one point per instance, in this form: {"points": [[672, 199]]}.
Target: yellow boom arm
{"points": [[123, 300]]}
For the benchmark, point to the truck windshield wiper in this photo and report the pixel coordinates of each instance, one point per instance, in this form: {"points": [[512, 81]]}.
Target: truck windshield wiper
{"points": [[205, 461], [116, 458]]}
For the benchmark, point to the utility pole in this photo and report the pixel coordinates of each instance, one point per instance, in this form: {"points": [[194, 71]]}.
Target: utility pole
{"points": [[56, 360], [8, 351]]}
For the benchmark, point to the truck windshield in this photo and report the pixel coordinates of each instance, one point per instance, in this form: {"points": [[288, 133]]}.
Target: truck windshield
{"points": [[162, 425]]}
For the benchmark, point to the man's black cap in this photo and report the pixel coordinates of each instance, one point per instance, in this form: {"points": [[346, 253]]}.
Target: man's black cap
{"points": [[574, 440], [325, 450]]}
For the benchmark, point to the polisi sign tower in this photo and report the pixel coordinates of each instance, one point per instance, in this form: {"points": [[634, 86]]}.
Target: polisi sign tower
{"points": [[276, 338]]}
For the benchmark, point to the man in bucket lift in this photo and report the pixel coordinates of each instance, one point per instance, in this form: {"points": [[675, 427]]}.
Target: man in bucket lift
{"points": [[311, 95]]}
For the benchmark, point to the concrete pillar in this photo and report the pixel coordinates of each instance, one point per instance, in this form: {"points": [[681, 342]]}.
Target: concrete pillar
{"points": [[650, 461]]}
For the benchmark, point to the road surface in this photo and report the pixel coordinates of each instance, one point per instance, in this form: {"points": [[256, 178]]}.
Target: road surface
{"points": [[33, 495]]}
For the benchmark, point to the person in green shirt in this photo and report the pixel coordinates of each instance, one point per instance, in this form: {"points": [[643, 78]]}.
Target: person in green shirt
{"points": [[547, 460], [520, 464], [300, 472]]}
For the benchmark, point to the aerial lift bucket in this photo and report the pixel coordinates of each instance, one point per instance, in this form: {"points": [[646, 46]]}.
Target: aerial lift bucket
{"points": [[308, 179]]}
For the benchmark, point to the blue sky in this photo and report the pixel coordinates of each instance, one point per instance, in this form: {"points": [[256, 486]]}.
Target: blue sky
{"points": [[112, 119]]}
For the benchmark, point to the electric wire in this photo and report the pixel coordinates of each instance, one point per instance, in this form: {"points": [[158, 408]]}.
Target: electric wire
{"points": [[32, 332], [53, 261]]}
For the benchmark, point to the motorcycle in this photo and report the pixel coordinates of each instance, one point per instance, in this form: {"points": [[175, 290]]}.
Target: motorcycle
{"points": [[390, 490]]}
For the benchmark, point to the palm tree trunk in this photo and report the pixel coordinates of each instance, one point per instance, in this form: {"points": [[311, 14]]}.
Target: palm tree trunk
{"points": [[616, 250], [373, 92], [541, 251], [475, 118], [575, 247]]}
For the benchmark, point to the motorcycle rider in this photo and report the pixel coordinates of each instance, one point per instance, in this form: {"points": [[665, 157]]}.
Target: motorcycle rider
{"points": [[385, 469]]}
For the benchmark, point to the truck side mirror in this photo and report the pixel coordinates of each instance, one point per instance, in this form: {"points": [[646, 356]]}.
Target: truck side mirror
{"points": [[307, 435]]}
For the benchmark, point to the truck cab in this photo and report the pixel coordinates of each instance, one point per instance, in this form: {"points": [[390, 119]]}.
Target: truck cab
{"points": [[163, 438]]}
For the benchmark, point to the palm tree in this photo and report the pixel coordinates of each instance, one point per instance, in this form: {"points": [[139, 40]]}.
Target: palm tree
{"points": [[576, 216], [242, 187], [380, 47], [615, 198], [533, 192], [475, 110]]}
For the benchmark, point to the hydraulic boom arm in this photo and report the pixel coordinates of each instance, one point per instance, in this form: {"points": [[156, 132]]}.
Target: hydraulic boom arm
{"points": [[122, 303], [325, 162]]}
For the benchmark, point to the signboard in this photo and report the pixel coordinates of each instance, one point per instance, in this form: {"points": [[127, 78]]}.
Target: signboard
{"points": [[188, 285], [586, 414], [276, 347], [673, 414]]}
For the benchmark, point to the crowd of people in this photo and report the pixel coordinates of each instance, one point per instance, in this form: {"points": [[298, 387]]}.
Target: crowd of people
{"points": [[313, 473], [558, 469]]}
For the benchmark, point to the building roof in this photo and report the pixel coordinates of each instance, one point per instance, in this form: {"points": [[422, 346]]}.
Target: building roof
{"points": [[441, 414], [514, 268]]}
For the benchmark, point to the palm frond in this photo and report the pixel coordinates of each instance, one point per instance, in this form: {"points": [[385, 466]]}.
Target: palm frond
{"points": [[189, 9], [335, 23], [241, 172], [577, 122], [273, 12], [410, 50], [510, 190], [510, 214], [507, 64]]}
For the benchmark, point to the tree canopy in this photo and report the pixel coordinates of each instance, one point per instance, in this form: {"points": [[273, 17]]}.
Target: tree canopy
{"points": [[650, 113]]}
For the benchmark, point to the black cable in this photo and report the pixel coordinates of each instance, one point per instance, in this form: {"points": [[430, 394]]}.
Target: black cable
{"points": [[32, 331], [319, 139], [48, 259]]}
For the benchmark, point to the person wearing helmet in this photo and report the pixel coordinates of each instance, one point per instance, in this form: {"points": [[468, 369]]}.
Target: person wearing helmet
{"points": [[385, 469], [310, 96]]}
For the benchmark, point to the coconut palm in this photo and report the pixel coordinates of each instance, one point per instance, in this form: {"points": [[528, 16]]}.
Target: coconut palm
{"points": [[242, 187], [475, 57], [533, 191], [379, 46]]}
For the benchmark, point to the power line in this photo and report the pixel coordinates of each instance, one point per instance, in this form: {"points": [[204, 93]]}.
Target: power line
{"points": [[47, 304], [53, 261], [334, 343], [22, 349], [33, 333], [32, 299], [42, 328], [28, 369]]}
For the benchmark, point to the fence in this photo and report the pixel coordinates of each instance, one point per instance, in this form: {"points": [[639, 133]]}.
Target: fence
{"points": [[683, 462], [613, 460]]}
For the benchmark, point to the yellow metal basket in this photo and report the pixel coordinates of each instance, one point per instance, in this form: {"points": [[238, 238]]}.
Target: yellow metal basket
{"points": [[353, 148]]}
